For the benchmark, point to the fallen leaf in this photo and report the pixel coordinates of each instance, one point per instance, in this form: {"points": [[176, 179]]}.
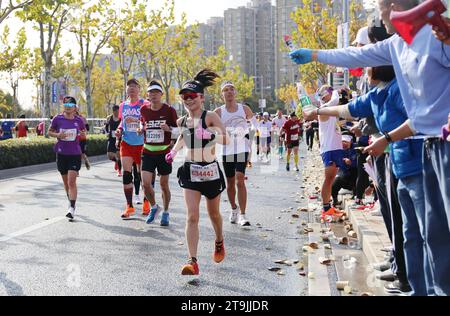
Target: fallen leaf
{"points": [[278, 217], [327, 246], [314, 245], [280, 261], [302, 273], [264, 235], [180, 243], [311, 275], [274, 269], [307, 249], [325, 237], [352, 234], [281, 272], [268, 248]]}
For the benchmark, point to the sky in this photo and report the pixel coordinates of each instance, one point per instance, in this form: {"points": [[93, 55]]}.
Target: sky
{"points": [[196, 10]]}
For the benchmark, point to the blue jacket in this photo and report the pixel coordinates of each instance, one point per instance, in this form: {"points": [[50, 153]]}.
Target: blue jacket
{"points": [[386, 105]]}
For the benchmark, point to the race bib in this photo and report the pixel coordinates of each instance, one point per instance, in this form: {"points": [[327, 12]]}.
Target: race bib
{"points": [[294, 137], [204, 173], [154, 136], [132, 126], [71, 134]]}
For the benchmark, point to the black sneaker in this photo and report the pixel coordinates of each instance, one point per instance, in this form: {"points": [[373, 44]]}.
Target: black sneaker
{"points": [[398, 287], [287, 167]]}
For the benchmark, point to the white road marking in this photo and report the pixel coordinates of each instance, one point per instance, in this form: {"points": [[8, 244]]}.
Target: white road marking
{"points": [[31, 228]]}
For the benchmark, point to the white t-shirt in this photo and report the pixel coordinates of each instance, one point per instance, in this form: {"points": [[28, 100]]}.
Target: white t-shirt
{"points": [[237, 127], [329, 132], [264, 128]]}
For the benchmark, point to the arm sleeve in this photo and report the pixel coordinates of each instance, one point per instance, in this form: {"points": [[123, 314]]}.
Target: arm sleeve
{"points": [[371, 55], [361, 106]]}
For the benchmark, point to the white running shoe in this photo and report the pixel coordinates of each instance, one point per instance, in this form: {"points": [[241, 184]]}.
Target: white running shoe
{"points": [[234, 215], [137, 199], [243, 221], [70, 213]]}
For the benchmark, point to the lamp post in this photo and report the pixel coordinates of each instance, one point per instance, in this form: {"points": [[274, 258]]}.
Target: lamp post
{"points": [[262, 101]]}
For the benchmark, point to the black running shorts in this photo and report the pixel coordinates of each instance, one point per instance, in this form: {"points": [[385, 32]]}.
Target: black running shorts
{"points": [[68, 163], [293, 144], [111, 148], [234, 163], [210, 189], [152, 162]]}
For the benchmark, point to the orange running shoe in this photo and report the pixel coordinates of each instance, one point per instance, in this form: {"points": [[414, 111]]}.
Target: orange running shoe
{"points": [[191, 268], [128, 212], [331, 214], [219, 252], [146, 207]]}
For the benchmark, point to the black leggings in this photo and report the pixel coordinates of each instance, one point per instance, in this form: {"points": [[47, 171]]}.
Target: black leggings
{"points": [[310, 138], [362, 181], [137, 179]]}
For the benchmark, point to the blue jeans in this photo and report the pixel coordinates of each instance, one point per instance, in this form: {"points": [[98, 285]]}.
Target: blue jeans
{"points": [[436, 183], [418, 268]]}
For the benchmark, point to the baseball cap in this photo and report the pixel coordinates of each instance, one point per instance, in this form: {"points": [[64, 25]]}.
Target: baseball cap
{"points": [[193, 86], [362, 37], [154, 85], [133, 81], [266, 114], [226, 84]]}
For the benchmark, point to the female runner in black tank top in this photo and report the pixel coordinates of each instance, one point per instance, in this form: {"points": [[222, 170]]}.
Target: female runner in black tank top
{"points": [[200, 174]]}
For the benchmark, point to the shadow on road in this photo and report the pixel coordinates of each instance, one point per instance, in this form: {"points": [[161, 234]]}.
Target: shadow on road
{"points": [[12, 288]]}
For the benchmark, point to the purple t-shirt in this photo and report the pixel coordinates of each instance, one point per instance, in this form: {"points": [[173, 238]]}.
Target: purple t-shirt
{"points": [[71, 144]]}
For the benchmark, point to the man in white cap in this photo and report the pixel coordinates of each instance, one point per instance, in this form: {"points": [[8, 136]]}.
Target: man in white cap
{"points": [[234, 117], [348, 172], [264, 128]]}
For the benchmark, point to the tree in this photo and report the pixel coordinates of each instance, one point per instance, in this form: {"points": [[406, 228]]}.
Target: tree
{"points": [[92, 29], [128, 34], [287, 94], [6, 103], [11, 6], [317, 29], [108, 87], [50, 18], [12, 60]]}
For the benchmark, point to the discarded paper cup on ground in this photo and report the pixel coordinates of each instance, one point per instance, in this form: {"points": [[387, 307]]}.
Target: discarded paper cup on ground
{"points": [[340, 285], [343, 241], [352, 234]]}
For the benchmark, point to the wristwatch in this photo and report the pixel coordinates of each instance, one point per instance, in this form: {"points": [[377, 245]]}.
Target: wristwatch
{"points": [[388, 138], [317, 111]]}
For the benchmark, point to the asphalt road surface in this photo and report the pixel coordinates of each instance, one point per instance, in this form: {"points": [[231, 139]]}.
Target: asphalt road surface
{"points": [[41, 253]]}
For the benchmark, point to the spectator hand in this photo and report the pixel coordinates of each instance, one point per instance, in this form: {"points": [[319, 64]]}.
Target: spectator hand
{"points": [[301, 56], [377, 147], [347, 161], [441, 35], [356, 130], [310, 115]]}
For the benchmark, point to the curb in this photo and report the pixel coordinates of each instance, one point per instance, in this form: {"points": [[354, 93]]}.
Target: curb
{"points": [[319, 285], [371, 231]]}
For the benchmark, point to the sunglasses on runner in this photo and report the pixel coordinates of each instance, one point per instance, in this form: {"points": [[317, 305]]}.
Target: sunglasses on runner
{"points": [[70, 105], [190, 95]]}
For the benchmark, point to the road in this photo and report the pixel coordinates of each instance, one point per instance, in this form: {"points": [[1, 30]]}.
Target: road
{"points": [[101, 254]]}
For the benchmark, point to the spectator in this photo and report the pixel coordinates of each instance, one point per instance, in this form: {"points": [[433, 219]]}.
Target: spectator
{"points": [[21, 128]]}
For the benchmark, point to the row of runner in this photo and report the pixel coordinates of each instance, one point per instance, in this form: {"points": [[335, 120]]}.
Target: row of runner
{"points": [[140, 132]]}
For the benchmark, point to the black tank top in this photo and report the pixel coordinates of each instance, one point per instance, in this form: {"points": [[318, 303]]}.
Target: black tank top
{"points": [[191, 141]]}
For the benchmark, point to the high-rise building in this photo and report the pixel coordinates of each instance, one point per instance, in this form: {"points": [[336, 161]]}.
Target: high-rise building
{"points": [[249, 40], [211, 35], [285, 70]]}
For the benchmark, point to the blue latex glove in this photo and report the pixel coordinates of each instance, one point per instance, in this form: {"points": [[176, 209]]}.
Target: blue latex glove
{"points": [[301, 56]]}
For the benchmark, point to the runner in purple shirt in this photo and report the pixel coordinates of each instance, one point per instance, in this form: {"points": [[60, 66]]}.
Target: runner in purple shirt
{"points": [[67, 128]]}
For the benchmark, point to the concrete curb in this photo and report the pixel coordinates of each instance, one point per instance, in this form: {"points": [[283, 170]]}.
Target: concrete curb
{"points": [[29, 170], [371, 231], [319, 285]]}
